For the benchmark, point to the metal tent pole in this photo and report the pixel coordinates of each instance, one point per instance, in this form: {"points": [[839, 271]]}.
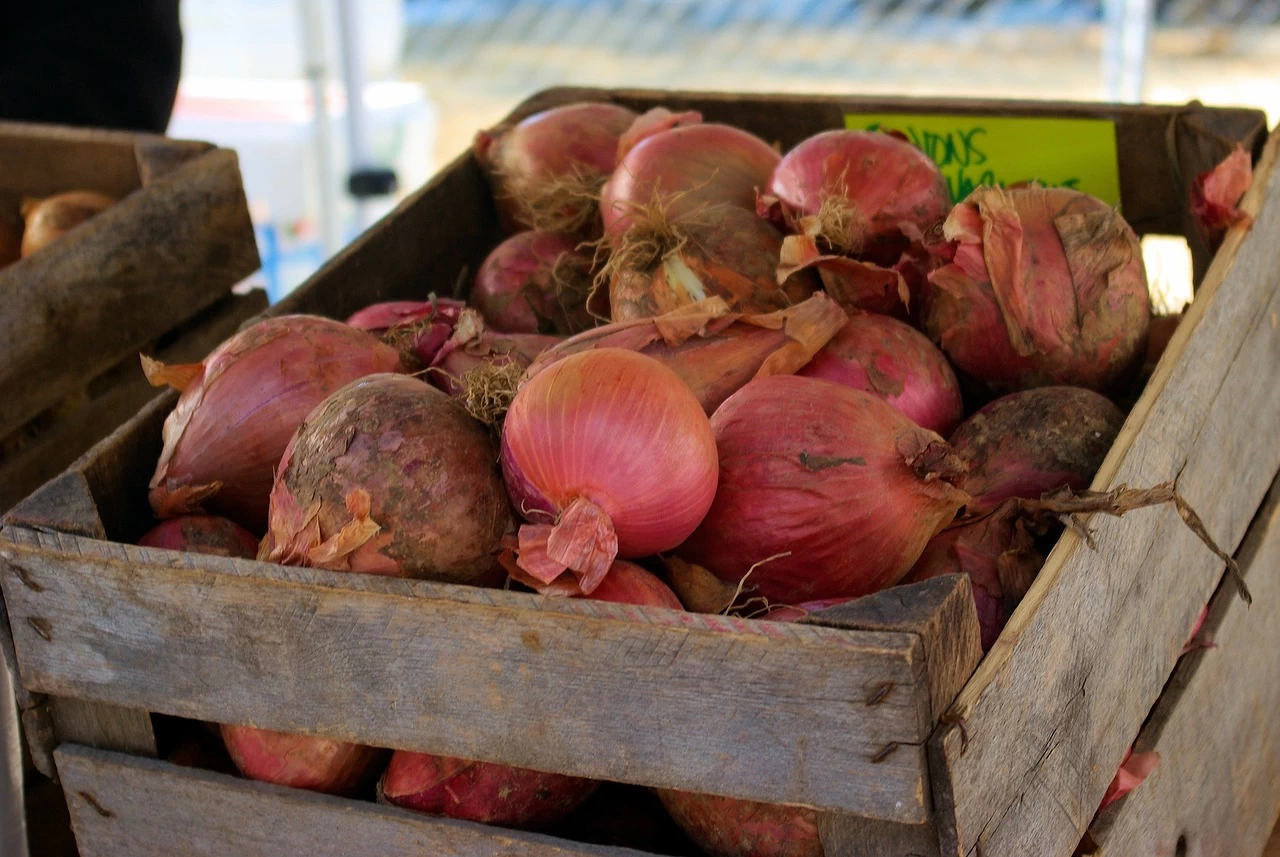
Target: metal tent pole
{"points": [[1128, 25], [365, 179]]}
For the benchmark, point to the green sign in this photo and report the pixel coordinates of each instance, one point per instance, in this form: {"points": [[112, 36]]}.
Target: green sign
{"points": [[1004, 150]]}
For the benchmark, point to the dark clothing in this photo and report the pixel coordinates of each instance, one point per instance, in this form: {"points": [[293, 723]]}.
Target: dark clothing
{"points": [[91, 63]]}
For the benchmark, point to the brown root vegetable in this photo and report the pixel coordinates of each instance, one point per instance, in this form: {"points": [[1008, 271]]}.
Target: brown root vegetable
{"points": [[389, 476], [50, 218], [1028, 443]]}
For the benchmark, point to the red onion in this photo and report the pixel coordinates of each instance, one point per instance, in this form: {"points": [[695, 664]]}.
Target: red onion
{"points": [[686, 172], [473, 345], [547, 169], [1216, 194], [860, 203], [713, 351], [535, 282], [240, 406], [795, 612], [660, 265], [202, 534], [1134, 769], [318, 764], [998, 553], [389, 476], [884, 356], [824, 492], [50, 218], [1028, 443], [1046, 287], [417, 328], [613, 456], [500, 794]]}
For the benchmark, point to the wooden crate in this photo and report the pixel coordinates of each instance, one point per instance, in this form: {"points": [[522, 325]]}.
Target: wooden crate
{"points": [[154, 272], [878, 719]]}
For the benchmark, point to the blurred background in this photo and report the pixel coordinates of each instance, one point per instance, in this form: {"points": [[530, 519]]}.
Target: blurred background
{"points": [[433, 72]]}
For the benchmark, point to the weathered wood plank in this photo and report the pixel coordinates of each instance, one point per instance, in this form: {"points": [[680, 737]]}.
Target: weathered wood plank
{"points": [[122, 806], [639, 695], [39, 160], [1215, 727], [849, 836], [148, 263], [125, 391], [1048, 715], [158, 156], [102, 725]]}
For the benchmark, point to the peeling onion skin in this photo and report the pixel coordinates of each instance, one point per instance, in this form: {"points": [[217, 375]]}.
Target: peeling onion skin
{"points": [[1035, 441], [303, 762], [205, 534], [833, 486], [234, 419], [884, 356], [1046, 287], [429, 471]]}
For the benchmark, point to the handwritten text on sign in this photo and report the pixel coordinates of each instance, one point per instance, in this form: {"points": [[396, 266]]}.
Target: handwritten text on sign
{"points": [[1004, 150]]}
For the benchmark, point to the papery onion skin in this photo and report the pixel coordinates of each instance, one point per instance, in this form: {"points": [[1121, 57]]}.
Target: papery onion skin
{"points": [[490, 793], [884, 356], [895, 191], [50, 218], [543, 168], [380, 317], [733, 255], [535, 282], [303, 762], [451, 365], [824, 491], [688, 171], [1035, 441], [234, 419], [616, 434], [206, 534], [428, 469], [1046, 287]]}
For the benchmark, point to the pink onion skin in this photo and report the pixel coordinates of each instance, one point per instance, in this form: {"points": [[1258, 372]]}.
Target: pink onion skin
{"points": [[833, 486], [535, 282], [561, 143], [795, 612], [618, 434], [1034, 441], [380, 317], [426, 467], [895, 186], [980, 548], [233, 422], [490, 793], [299, 761], [202, 534], [709, 163], [452, 363], [1046, 287], [884, 356]]}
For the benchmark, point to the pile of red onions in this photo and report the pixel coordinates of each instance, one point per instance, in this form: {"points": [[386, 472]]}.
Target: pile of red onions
{"points": [[389, 476], [547, 169], [608, 454], [50, 218], [824, 492], [884, 356], [535, 282], [1046, 286], [240, 406], [713, 351], [860, 204]]}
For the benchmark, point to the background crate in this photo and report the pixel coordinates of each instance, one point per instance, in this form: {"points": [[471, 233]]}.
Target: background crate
{"points": [[105, 633], [153, 272]]}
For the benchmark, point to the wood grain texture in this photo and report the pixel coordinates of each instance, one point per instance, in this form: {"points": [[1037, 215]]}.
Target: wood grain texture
{"points": [[1050, 712], [123, 391], [849, 836], [122, 806], [147, 264], [102, 725], [640, 695], [158, 156], [1215, 727]]}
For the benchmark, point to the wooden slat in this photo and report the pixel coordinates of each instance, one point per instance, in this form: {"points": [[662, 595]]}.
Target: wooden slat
{"points": [[148, 263], [102, 725], [126, 390], [158, 156], [39, 160], [1215, 727], [1046, 719], [123, 806], [640, 695]]}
